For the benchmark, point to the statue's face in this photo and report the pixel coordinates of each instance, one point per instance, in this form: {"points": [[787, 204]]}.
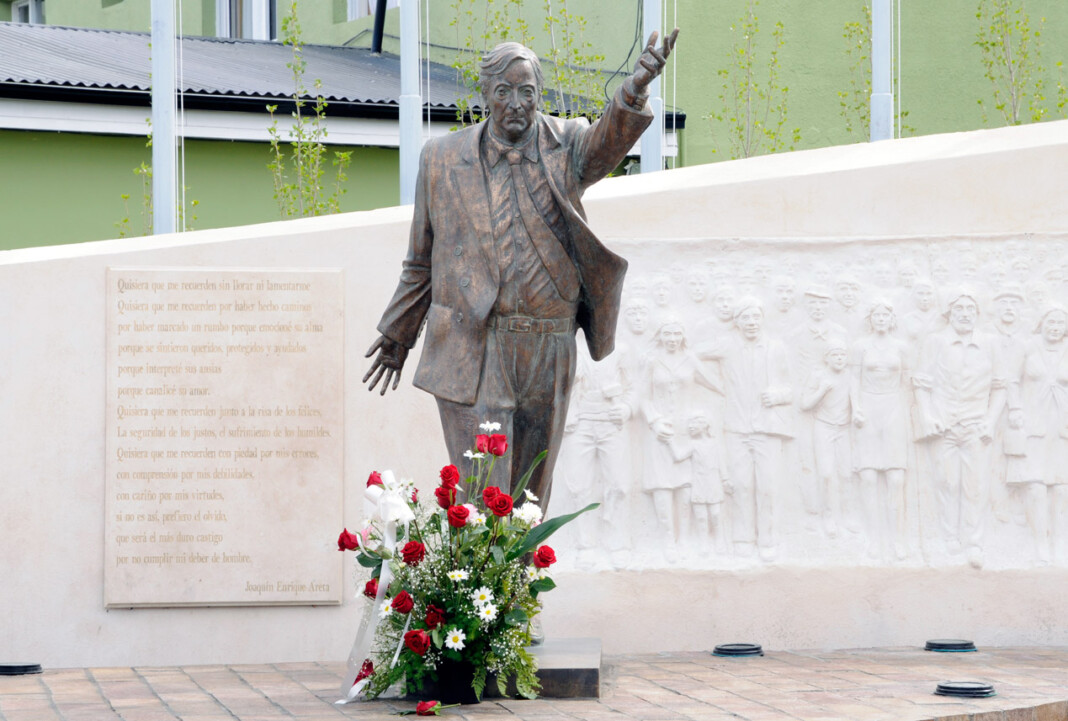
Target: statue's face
{"points": [[837, 360], [723, 304], [847, 293], [1054, 326], [881, 318], [750, 321], [697, 288], [672, 337], [662, 294], [1009, 309], [924, 297], [784, 296], [513, 101], [637, 319], [963, 314], [883, 276], [816, 307], [906, 276]]}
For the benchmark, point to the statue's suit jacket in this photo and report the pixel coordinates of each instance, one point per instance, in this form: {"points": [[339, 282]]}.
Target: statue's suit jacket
{"points": [[451, 275]]}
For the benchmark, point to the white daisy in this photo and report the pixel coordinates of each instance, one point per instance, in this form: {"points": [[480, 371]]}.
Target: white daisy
{"points": [[528, 513], [483, 596], [472, 454], [454, 639], [530, 496], [487, 612], [534, 573], [457, 575], [387, 608], [479, 519], [489, 426]]}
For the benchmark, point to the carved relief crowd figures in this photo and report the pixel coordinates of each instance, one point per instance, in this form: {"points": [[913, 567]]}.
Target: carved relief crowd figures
{"points": [[756, 380], [675, 423], [783, 408], [594, 458], [1044, 396], [960, 391], [880, 420]]}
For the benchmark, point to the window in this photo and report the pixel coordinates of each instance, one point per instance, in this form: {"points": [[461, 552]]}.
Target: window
{"points": [[249, 19], [28, 11], [363, 8]]}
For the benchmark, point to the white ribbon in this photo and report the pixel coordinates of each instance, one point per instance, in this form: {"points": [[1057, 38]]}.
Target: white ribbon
{"points": [[389, 505]]}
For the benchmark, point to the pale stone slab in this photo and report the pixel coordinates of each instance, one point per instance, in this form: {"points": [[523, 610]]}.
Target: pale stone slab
{"points": [[224, 436]]}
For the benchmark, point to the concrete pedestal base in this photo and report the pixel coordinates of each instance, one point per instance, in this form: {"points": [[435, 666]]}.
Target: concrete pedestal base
{"points": [[569, 667]]}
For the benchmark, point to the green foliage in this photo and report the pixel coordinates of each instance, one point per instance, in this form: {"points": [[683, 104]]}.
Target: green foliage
{"points": [[1062, 91], [1012, 60], [300, 185], [569, 64], [753, 99], [855, 103]]}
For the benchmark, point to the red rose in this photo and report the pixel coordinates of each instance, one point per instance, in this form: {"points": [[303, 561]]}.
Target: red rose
{"points": [[482, 443], [370, 589], [446, 496], [434, 616], [366, 670], [544, 557], [458, 516], [427, 708], [490, 493], [402, 602], [413, 552], [501, 505], [450, 476], [497, 444], [417, 641], [415, 495], [375, 479], [348, 541]]}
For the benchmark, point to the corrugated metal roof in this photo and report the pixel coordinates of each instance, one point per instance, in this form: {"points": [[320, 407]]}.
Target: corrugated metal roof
{"points": [[49, 55]]}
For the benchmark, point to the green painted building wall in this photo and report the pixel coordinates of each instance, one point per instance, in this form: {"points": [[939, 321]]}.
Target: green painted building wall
{"points": [[941, 81], [67, 187], [941, 76]]}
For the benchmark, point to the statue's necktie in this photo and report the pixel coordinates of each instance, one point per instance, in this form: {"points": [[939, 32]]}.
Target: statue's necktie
{"points": [[553, 256]]}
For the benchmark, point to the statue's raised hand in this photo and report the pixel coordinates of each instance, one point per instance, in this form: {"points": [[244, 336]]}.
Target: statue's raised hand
{"points": [[652, 61], [388, 363]]}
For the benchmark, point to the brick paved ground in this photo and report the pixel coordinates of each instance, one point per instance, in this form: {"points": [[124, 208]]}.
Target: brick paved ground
{"points": [[859, 685]]}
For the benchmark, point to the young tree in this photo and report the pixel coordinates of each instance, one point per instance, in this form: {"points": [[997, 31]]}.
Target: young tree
{"points": [[1012, 60], [299, 178], [752, 95]]}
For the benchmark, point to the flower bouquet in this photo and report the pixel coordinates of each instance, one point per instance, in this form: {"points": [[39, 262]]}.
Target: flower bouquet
{"points": [[454, 582]]}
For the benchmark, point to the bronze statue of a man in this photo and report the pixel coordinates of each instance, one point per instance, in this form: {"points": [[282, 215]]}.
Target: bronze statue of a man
{"points": [[502, 266]]}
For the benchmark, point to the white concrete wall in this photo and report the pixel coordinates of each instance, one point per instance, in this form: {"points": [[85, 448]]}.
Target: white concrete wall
{"points": [[52, 313]]}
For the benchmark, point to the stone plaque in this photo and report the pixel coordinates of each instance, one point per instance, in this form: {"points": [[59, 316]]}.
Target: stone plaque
{"points": [[224, 437]]}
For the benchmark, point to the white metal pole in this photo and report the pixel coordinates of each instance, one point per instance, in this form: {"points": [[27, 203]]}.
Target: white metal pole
{"points": [[411, 132], [882, 92], [164, 145], [652, 143]]}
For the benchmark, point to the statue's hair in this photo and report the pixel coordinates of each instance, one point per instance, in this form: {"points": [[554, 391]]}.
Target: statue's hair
{"points": [[496, 61], [745, 303]]}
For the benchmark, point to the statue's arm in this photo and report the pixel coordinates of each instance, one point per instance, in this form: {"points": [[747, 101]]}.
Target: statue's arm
{"points": [[404, 315], [602, 146]]}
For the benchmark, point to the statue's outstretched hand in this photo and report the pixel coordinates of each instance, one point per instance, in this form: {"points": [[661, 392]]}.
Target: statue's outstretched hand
{"points": [[652, 61], [388, 363]]}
